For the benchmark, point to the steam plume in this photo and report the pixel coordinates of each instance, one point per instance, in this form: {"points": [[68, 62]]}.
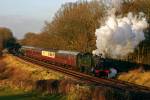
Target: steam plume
{"points": [[117, 3], [120, 36]]}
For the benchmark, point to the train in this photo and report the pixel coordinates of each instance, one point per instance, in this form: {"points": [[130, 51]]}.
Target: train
{"points": [[73, 60], [77, 61]]}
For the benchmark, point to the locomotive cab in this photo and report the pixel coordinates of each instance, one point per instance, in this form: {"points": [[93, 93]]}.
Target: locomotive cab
{"points": [[101, 70], [104, 69]]}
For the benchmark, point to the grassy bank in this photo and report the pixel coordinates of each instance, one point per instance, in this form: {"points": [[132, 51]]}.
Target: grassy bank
{"points": [[137, 76], [11, 94], [21, 80], [18, 80]]}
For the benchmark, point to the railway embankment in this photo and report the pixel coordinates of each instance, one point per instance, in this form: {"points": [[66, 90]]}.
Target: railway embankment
{"points": [[138, 76], [18, 74]]}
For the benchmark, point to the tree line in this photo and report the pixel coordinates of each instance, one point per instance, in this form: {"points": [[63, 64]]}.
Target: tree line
{"points": [[74, 24], [73, 27], [6, 36]]}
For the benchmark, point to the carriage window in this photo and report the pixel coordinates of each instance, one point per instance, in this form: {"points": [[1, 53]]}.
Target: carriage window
{"points": [[48, 54]]}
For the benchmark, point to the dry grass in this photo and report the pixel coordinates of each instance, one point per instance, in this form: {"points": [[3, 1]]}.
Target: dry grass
{"points": [[24, 75], [36, 72], [138, 76], [18, 74]]}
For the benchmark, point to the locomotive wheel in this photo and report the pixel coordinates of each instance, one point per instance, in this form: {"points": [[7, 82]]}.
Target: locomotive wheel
{"points": [[103, 75]]}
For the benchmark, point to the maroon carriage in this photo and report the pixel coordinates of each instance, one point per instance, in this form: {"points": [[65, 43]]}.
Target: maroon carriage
{"points": [[61, 57]]}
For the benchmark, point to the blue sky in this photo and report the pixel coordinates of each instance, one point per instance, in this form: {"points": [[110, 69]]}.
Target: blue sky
{"points": [[23, 16]]}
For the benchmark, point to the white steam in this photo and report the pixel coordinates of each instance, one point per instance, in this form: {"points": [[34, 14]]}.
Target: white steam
{"points": [[116, 3], [120, 36]]}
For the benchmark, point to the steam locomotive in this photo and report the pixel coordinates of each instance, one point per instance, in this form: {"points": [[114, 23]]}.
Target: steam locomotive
{"points": [[78, 61], [73, 60]]}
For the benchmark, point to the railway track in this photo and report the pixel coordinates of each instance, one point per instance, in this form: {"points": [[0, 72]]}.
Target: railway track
{"points": [[115, 84]]}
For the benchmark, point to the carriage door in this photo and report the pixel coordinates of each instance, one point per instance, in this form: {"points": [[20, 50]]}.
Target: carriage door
{"points": [[71, 60]]}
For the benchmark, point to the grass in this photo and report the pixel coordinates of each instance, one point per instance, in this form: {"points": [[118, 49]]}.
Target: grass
{"points": [[22, 77], [21, 74], [11, 94], [137, 76], [35, 72]]}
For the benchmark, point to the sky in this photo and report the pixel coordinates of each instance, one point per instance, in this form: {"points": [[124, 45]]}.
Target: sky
{"points": [[22, 16]]}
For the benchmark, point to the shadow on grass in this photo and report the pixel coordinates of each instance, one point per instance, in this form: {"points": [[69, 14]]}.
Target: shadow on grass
{"points": [[32, 96]]}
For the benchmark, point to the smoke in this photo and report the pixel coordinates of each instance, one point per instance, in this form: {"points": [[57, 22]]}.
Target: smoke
{"points": [[117, 3], [113, 3], [120, 36]]}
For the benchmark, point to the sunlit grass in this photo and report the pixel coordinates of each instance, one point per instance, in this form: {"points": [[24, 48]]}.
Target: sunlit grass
{"points": [[36, 72], [21, 77], [137, 76]]}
